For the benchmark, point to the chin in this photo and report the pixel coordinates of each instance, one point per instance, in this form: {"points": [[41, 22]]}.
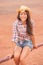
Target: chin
{"points": [[23, 20]]}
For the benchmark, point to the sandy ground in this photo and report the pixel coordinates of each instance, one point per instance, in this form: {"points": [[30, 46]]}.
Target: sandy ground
{"points": [[7, 17]]}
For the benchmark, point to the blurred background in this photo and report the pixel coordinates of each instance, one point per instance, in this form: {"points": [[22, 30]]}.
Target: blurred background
{"points": [[8, 14]]}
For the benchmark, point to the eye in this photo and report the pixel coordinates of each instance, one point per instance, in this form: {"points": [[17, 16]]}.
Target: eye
{"points": [[21, 13]]}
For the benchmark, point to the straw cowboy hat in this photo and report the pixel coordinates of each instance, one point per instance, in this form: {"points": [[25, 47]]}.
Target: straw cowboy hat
{"points": [[23, 8]]}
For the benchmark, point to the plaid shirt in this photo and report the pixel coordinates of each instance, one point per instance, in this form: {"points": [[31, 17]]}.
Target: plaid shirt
{"points": [[19, 32]]}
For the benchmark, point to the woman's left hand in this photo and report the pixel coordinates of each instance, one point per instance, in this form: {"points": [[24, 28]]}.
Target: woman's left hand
{"points": [[35, 46]]}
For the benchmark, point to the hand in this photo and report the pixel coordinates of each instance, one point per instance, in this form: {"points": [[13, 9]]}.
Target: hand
{"points": [[35, 46]]}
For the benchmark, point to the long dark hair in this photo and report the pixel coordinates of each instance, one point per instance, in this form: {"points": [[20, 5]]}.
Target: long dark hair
{"points": [[28, 22]]}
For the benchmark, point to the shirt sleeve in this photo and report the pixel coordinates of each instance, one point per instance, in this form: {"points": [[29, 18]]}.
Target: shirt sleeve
{"points": [[15, 32]]}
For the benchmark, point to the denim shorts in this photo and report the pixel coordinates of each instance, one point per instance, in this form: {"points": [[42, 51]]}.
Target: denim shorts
{"points": [[25, 43]]}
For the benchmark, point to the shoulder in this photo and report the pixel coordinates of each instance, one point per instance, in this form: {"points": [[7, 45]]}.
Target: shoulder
{"points": [[15, 22]]}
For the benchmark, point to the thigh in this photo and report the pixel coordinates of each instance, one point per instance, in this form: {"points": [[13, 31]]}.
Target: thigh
{"points": [[26, 50], [17, 51]]}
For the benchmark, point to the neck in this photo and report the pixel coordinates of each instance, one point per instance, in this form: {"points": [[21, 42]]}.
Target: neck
{"points": [[24, 22]]}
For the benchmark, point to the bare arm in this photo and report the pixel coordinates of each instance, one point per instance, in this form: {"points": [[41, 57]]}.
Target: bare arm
{"points": [[33, 41]]}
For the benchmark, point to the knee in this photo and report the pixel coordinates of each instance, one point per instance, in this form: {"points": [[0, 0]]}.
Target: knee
{"points": [[16, 56], [21, 61], [21, 58]]}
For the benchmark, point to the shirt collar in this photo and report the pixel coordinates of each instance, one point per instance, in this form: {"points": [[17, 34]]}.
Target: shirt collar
{"points": [[20, 22]]}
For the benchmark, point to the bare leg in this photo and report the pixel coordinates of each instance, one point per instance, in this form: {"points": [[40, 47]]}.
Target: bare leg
{"points": [[25, 52], [17, 52]]}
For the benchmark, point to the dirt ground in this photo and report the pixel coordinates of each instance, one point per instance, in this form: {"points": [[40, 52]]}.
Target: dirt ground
{"points": [[8, 15]]}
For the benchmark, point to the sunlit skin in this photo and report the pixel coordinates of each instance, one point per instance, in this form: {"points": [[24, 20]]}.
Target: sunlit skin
{"points": [[23, 17]]}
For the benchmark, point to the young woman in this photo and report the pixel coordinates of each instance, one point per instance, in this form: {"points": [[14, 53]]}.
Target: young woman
{"points": [[23, 37]]}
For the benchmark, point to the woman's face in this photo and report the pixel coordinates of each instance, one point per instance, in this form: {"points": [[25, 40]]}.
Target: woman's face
{"points": [[23, 16]]}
